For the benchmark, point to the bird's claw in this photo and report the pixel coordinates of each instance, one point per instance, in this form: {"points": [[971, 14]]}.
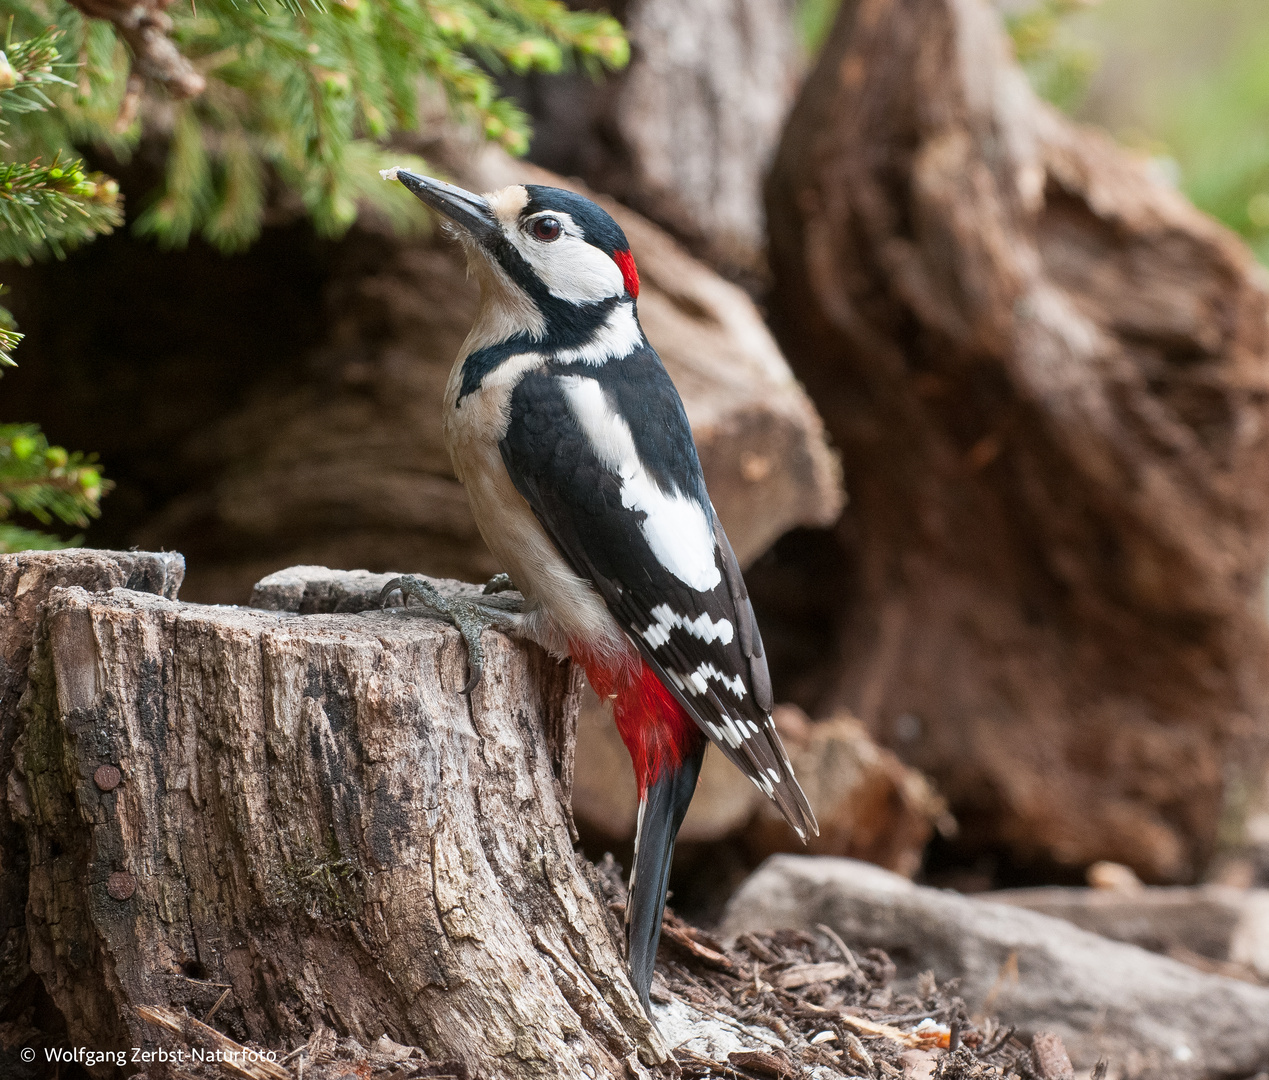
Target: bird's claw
{"points": [[498, 583], [472, 616]]}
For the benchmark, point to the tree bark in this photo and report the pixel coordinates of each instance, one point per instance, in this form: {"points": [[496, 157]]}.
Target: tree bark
{"points": [[1047, 375], [25, 582], [307, 813]]}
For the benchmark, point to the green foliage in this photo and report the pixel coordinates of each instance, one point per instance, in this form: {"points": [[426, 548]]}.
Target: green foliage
{"points": [[1058, 65], [52, 206], [1217, 131], [45, 483], [306, 94], [298, 93], [9, 336], [45, 206], [812, 20]]}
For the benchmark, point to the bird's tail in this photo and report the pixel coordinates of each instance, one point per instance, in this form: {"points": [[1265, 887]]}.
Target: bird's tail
{"points": [[661, 811], [666, 748]]}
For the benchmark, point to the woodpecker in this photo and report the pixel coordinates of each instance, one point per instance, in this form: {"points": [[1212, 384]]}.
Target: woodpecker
{"points": [[585, 483]]}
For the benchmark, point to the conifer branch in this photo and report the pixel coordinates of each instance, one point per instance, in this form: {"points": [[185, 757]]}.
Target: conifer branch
{"points": [[53, 207], [45, 483], [146, 27], [306, 92]]}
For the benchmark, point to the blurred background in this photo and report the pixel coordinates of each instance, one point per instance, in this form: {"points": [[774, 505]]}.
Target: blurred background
{"points": [[967, 305]]}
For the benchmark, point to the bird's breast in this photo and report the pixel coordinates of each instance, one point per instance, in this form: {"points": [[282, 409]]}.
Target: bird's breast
{"points": [[565, 607]]}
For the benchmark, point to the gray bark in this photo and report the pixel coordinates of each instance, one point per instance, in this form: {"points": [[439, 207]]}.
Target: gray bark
{"points": [[1216, 927], [312, 817], [25, 582]]}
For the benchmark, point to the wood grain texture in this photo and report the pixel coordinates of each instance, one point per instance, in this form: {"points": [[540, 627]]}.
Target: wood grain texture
{"points": [[317, 820], [25, 581], [1048, 374]]}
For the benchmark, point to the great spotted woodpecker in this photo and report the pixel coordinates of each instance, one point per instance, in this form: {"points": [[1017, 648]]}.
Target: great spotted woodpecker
{"points": [[584, 480]]}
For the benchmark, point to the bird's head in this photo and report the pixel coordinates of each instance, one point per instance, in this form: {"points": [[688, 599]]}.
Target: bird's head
{"points": [[554, 246]]}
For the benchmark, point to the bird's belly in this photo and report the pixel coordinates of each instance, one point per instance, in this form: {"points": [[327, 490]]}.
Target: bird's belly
{"points": [[563, 607]]}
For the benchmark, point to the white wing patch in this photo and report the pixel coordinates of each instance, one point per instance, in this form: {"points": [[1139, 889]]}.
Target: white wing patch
{"points": [[735, 684], [702, 627], [696, 683], [618, 336], [676, 527]]}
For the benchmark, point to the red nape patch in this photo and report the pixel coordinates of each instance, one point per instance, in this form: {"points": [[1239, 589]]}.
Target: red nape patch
{"points": [[626, 261], [654, 726]]}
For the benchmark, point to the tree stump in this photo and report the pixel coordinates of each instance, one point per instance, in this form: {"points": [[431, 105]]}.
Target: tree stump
{"points": [[25, 582], [1047, 375], [302, 810]]}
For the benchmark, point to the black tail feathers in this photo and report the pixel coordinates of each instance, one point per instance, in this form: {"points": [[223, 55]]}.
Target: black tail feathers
{"points": [[660, 815]]}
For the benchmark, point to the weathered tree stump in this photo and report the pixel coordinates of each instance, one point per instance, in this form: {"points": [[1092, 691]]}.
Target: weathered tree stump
{"points": [[308, 814], [25, 581], [1047, 375]]}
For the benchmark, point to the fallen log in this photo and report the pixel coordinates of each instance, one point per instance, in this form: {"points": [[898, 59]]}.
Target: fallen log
{"points": [[1216, 928], [303, 811], [1150, 1016]]}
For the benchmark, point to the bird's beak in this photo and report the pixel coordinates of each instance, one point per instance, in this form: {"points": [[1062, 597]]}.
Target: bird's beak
{"points": [[469, 212]]}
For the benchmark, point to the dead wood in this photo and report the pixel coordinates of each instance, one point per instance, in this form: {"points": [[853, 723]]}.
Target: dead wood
{"points": [[1215, 928], [1047, 375], [868, 803], [1153, 1018], [25, 582], [1049, 1058], [232, 1056], [313, 819]]}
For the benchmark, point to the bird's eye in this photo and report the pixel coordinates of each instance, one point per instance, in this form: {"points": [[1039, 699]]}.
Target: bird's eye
{"points": [[547, 229]]}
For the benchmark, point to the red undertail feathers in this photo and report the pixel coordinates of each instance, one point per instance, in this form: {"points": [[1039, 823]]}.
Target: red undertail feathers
{"points": [[656, 729]]}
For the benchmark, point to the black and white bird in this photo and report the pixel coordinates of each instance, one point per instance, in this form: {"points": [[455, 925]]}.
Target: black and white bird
{"points": [[579, 463]]}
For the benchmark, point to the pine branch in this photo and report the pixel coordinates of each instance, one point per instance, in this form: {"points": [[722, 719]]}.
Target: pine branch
{"points": [[306, 93], [15, 538], [28, 69], [9, 336], [146, 27], [44, 207], [53, 207], [45, 482]]}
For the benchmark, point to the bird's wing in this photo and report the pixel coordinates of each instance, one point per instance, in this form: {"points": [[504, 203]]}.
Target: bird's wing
{"points": [[604, 456]]}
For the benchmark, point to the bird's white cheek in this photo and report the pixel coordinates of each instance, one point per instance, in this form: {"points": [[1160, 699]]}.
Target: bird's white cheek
{"points": [[573, 270]]}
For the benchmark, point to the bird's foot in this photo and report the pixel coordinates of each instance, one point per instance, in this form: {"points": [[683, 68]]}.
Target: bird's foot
{"points": [[471, 615], [499, 583]]}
